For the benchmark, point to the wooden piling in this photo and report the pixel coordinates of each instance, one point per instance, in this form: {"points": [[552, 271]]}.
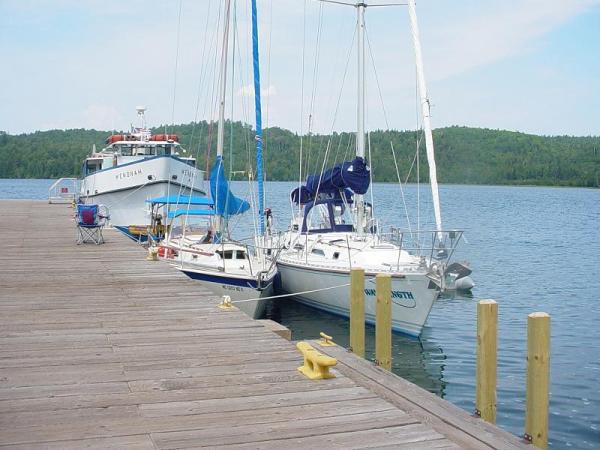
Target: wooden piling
{"points": [[383, 321], [357, 311], [487, 332], [538, 377]]}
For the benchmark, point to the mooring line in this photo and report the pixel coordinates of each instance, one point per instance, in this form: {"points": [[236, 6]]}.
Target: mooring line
{"points": [[291, 295]]}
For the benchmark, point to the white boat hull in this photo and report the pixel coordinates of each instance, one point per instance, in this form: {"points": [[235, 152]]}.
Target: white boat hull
{"points": [[412, 295], [125, 189]]}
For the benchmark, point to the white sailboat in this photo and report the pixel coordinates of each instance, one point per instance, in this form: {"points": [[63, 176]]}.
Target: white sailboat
{"points": [[334, 230], [208, 254]]}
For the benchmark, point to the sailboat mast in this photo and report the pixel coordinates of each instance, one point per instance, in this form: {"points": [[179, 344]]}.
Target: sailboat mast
{"points": [[219, 222], [426, 112], [223, 80], [257, 106], [360, 116]]}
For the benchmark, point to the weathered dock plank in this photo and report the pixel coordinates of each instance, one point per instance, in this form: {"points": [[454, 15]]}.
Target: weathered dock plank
{"points": [[101, 349]]}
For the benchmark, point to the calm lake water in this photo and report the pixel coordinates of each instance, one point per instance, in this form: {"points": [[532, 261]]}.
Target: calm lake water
{"points": [[532, 249]]}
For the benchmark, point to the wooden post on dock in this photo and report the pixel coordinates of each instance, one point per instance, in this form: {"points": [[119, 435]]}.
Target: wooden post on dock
{"points": [[357, 311], [487, 333], [538, 377], [383, 321]]}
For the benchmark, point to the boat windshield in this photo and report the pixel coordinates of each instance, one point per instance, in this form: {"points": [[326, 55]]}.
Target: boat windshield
{"points": [[318, 218], [327, 217], [144, 150]]}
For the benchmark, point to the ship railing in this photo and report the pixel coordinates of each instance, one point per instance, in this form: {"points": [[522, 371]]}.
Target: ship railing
{"points": [[63, 190], [432, 245]]}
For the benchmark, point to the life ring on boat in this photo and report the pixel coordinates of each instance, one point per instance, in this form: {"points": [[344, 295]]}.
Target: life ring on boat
{"points": [[165, 137], [166, 252]]}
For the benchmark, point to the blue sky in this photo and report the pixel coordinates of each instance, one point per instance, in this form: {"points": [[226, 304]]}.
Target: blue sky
{"points": [[527, 65]]}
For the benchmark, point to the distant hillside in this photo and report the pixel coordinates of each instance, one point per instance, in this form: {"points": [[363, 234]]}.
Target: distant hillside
{"points": [[464, 155]]}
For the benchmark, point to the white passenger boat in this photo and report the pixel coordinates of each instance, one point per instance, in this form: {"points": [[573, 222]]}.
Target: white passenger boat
{"points": [[133, 168], [334, 230]]}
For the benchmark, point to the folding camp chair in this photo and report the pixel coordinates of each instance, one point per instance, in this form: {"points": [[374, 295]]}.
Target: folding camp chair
{"points": [[90, 221]]}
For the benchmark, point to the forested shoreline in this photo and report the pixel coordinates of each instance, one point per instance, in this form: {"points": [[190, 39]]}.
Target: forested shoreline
{"points": [[464, 155]]}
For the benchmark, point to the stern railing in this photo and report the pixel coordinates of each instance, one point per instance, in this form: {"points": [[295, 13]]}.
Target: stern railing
{"points": [[63, 190]]}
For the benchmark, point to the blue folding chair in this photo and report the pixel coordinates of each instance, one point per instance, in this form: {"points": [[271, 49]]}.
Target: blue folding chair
{"points": [[90, 221]]}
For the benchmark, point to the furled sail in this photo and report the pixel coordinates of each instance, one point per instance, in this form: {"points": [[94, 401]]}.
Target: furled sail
{"points": [[226, 204]]}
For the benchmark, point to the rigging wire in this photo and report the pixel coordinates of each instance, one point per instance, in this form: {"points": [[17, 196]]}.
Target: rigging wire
{"points": [[302, 105], [247, 130], [387, 123], [232, 87], [418, 160], [266, 127], [317, 54], [193, 179], [176, 65], [325, 158], [211, 96]]}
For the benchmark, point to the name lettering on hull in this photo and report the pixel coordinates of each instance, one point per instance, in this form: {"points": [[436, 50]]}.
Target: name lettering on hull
{"points": [[232, 288], [395, 294], [128, 174]]}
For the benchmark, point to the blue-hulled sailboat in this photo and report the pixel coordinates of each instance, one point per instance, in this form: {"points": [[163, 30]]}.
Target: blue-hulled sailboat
{"points": [[207, 253]]}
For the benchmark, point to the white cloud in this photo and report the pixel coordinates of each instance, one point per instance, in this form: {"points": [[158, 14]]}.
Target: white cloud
{"points": [[123, 54], [501, 30]]}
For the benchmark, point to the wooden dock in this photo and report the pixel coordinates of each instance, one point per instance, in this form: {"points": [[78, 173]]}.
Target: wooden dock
{"points": [[102, 349]]}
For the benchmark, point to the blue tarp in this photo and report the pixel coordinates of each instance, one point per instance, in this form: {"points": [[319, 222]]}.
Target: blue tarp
{"points": [[226, 204], [191, 212], [350, 175], [181, 200]]}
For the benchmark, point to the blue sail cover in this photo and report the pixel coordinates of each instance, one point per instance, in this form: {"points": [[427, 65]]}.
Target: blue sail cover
{"points": [[257, 107], [226, 204], [350, 175]]}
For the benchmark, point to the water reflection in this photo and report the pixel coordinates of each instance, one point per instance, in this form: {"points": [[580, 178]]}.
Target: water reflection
{"points": [[418, 360]]}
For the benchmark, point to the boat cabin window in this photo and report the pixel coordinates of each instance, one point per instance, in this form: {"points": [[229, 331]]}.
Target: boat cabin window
{"points": [[126, 150], [240, 254], [93, 165], [227, 254], [162, 150], [318, 251], [143, 150]]}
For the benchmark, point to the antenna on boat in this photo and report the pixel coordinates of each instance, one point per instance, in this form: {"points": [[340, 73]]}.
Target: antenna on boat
{"points": [[141, 110]]}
